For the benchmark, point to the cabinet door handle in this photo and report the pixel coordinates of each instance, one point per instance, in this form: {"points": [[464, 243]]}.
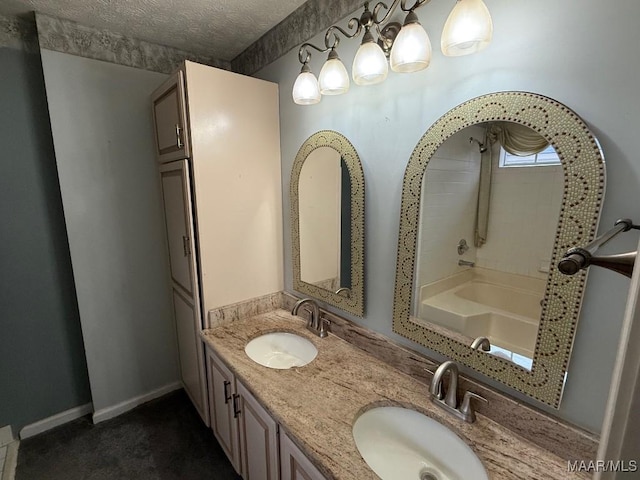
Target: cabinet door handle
{"points": [[179, 136], [186, 246], [227, 397], [236, 405]]}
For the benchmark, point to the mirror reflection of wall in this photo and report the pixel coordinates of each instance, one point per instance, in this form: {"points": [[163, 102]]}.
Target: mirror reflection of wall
{"points": [[320, 194], [491, 199], [327, 228]]}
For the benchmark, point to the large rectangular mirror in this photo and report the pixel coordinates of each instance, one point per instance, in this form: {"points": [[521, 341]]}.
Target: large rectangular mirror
{"points": [[327, 213], [494, 193]]}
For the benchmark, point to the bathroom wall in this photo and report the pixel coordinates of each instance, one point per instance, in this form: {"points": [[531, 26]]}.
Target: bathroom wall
{"points": [[448, 212], [102, 132], [580, 53], [42, 364], [319, 198], [523, 216]]}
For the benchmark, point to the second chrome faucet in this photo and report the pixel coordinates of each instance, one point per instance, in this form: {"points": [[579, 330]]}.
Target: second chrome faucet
{"points": [[316, 323], [449, 399]]}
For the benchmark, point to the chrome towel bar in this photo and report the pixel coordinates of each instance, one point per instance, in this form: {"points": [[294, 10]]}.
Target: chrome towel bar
{"points": [[579, 258]]}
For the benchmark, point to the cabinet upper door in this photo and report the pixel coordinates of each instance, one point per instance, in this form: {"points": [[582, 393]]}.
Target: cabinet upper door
{"points": [[176, 195], [170, 119]]}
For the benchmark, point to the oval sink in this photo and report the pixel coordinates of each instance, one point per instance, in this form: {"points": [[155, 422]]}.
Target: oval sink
{"points": [[281, 350], [399, 443]]}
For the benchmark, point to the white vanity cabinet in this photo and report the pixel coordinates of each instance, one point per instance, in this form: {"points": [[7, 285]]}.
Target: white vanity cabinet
{"points": [[223, 408], [244, 429], [258, 439], [294, 465], [217, 139]]}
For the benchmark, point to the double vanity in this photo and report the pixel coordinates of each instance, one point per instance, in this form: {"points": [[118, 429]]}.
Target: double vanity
{"points": [[347, 414]]}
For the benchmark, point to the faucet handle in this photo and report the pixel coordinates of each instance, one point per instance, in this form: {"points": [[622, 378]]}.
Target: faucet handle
{"points": [[324, 326], [467, 408]]}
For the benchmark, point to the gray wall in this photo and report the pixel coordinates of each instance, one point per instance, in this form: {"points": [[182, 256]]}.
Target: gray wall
{"points": [[582, 53], [102, 131], [42, 365]]}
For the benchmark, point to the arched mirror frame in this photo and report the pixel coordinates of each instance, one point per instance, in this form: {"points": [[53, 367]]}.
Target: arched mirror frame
{"points": [[354, 303], [584, 183]]}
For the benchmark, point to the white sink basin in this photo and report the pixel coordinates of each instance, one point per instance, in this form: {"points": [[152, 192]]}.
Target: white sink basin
{"points": [[399, 443], [281, 350]]}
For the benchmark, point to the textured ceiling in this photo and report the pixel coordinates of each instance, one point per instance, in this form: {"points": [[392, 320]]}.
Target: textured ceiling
{"points": [[219, 28]]}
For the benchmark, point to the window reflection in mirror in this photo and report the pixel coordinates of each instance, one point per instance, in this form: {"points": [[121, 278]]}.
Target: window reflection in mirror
{"points": [[486, 236]]}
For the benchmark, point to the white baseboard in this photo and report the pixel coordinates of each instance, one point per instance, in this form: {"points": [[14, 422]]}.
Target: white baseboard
{"points": [[120, 408], [55, 421], [10, 462], [6, 436]]}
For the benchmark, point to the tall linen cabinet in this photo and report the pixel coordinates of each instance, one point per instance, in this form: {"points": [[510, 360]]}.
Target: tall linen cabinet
{"points": [[218, 144]]}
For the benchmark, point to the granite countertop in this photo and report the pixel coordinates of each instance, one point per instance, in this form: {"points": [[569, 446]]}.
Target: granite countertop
{"points": [[318, 403]]}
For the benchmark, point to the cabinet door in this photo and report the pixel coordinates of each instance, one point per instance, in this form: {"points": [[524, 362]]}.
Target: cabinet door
{"points": [[258, 439], [224, 407], [293, 463], [176, 195], [191, 351], [169, 119]]}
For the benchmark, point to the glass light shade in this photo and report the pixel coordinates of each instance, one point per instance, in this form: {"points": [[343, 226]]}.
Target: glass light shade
{"points": [[334, 79], [305, 89], [411, 51], [369, 65], [468, 29]]}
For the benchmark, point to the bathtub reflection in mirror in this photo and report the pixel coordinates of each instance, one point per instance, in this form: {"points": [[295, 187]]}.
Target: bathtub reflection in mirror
{"points": [[576, 221], [491, 199]]}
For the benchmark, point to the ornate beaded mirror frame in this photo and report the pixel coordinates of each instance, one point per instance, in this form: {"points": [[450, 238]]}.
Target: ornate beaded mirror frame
{"points": [[354, 302], [584, 183]]}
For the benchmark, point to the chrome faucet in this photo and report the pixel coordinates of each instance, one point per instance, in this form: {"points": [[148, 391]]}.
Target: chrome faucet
{"points": [[317, 323], [449, 399], [481, 343]]}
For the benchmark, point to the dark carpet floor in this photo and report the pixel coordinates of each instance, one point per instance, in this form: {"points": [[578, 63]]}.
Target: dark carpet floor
{"points": [[160, 440]]}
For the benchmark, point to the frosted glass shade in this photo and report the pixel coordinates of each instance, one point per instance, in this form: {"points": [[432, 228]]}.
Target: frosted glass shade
{"points": [[305, 89], [369, 65], [334, 79], [411, 51], [468, 29]]}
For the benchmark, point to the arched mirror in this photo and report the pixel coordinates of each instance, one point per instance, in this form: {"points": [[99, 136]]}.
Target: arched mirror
{"points": [[494, 193], [327, 221]]}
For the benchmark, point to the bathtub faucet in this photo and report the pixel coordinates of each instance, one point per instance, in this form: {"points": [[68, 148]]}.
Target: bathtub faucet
{"points": [[466, 263]]}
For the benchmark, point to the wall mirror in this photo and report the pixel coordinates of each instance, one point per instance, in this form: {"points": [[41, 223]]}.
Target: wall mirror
{"points": [[494, 193], [327, 221]]}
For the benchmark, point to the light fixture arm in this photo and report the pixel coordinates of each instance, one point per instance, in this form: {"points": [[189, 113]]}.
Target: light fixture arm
{"points": [[304, 55], [354, 24], [403, 6]]}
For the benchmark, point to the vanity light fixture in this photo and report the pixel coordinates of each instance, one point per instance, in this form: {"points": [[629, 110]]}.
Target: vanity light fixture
{"points": [[467, 30]]}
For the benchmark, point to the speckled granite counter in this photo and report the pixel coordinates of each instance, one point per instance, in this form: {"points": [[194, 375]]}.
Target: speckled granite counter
{"points": [[318, 403]]}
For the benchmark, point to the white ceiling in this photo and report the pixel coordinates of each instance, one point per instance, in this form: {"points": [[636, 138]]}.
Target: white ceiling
{"points": [[218, 28]]}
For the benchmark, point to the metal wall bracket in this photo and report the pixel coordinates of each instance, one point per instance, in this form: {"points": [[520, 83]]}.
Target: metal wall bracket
{"points": [[579, 258]]}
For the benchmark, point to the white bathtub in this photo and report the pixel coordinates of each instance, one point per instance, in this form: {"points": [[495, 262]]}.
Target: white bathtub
{"points": [[481, 302]]}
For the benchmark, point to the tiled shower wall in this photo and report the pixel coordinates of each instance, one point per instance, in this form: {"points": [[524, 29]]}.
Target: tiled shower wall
{"points": [[523, 213], [450, 192], [523, 216]]}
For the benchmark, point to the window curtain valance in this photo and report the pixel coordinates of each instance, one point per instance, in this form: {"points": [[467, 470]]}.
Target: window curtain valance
{"points": [[517, 139]]}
